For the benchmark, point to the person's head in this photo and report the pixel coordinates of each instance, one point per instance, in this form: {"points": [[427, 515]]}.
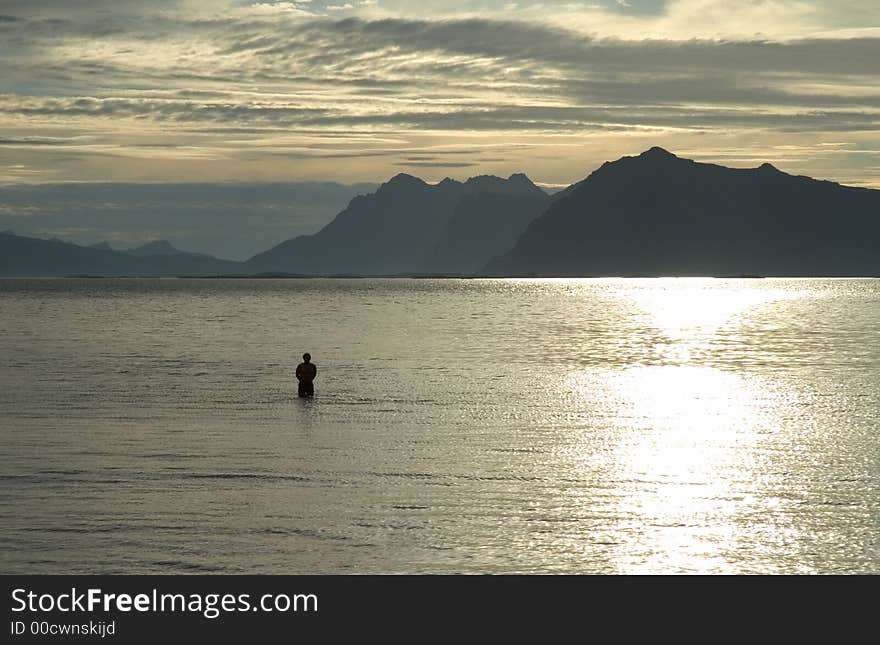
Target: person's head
{"points": [[307, 357]]}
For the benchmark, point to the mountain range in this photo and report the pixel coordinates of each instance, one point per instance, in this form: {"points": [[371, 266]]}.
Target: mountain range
{"points": [[659, 214], [409, 226], [651, 214], [34, 257]]}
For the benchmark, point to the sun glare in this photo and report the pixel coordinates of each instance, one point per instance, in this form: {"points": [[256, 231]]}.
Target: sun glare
{"points": [[682, 306], [685, 431]]}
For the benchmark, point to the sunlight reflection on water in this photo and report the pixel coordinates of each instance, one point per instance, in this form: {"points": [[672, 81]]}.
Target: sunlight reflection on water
{"points": [[698, 429], [580, 426]]}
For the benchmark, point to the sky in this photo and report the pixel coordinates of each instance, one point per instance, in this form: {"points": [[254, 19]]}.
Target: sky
{"points": [[235, 91]]}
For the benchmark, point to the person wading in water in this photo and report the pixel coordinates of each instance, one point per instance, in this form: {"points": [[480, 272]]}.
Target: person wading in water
{"points": [[305, 374]]}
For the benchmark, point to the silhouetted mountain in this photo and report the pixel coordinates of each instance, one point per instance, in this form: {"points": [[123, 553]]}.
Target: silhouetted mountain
{"points": [[658, 214], [654, 214], [104, 246], [161, 247], [28, 256], [483, 226], [409, 226]]}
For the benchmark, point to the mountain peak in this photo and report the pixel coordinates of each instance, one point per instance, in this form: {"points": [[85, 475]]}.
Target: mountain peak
{"points": [[157, 246], [651, 161], [403, 179], [662, 215], [516, 184], [482, 179], [656, 152], [520, 178]]}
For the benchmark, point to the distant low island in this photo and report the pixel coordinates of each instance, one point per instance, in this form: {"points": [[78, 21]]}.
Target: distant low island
{"points": [[654, 214]]}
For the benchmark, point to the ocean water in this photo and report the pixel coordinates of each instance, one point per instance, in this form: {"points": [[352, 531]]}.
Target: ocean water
{"points": [[609, 426]]}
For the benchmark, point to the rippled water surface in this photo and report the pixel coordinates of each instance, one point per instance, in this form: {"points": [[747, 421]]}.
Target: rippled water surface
{"points": [[476, 426]]}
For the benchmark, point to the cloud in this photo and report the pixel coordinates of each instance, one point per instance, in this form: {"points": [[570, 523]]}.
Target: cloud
{"points": [[265, 88], [159, 109], [436, 164], [285, 8], [35, 141], [325, 67]]}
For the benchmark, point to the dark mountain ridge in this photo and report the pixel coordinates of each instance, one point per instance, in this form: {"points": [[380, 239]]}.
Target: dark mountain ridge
{"points": [[162, 247], [403, 228], [651, 214], [482, 226], [659, 214], [33, 257]]}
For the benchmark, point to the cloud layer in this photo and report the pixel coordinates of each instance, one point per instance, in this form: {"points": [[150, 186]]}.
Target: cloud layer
{"points": [[356, 91]]}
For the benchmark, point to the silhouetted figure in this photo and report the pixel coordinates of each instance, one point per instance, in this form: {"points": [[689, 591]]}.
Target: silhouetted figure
{"points": [[305, 374]]}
